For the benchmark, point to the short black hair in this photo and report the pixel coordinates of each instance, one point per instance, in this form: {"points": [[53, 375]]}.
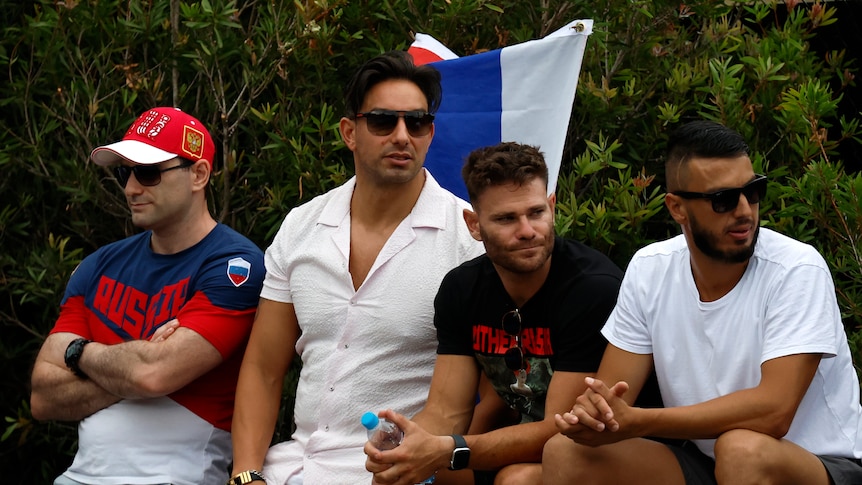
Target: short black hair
{"points": [[392, 65], [507, 162], [700, 139]]}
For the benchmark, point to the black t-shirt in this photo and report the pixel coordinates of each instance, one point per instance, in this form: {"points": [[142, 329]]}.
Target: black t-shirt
{"points": [[561, 323]]}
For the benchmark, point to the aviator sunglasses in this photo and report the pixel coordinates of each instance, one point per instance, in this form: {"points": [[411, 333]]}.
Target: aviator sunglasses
{"points": [[146, 175], [514, 357], [382, 122], [726, 200]]}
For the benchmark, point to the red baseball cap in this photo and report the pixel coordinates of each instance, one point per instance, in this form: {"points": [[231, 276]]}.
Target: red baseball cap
{"points": [[158, 135]]}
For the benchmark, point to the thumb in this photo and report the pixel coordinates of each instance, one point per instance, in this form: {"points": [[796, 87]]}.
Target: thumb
{"points": [[399, 419], [620, 388]]}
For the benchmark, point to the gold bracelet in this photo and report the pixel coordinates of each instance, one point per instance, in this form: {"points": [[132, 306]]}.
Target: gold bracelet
{"points": [[246, 477]]}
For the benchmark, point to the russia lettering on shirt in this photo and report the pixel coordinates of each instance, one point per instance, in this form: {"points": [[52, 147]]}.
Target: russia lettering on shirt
{"points": [[521, 93]]}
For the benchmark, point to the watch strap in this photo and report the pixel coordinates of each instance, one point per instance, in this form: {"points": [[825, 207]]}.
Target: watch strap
{"points": [[248, 476], [460, 442], [73, 355]]}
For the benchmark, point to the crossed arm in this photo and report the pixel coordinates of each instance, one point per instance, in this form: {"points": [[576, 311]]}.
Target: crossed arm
{"points": [[603, 414], [129, 370], [427, 446], [59, 394]]}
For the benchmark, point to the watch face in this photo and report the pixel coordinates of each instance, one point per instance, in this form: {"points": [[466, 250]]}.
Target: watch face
{"points": [[460, 458], [74, 349], [73, 354]]}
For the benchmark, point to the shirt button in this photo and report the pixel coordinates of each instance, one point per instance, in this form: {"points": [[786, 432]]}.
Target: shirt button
{"points": [[326, 428], [331, 389], [346, 345]]}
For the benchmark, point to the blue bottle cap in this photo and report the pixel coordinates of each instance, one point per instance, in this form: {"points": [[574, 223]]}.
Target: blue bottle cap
{"points": [[370, 420]]}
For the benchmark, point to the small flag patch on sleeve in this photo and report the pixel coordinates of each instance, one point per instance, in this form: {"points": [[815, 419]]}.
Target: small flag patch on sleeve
{"points": [[238, 270]]}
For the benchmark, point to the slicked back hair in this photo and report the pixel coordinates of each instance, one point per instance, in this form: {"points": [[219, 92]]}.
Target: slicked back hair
{"points": [[392, 65], [699, 139], [508, 162]]}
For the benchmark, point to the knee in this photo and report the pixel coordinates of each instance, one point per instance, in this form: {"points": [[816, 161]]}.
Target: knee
{"points": [[557, 450], [520, 474], [742, 445], [563, 460], [746, 452]]}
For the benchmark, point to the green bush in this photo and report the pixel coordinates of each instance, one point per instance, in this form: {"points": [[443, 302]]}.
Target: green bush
{"points": [[267, 78]]}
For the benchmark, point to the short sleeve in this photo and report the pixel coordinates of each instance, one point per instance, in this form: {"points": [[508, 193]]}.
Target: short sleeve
{"points": [[453, 330], [626, 327]]}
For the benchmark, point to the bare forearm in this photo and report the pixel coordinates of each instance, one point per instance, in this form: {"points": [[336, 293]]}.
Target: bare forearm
{"points": [[744, 409], [261, 377], [118, 368], [522, 443], [145, 369], [58, 394], [436, 422], [768, 408], [255, 414]]}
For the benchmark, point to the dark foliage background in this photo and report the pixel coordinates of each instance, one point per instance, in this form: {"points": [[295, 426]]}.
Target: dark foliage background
{"points": [[267, 78]]}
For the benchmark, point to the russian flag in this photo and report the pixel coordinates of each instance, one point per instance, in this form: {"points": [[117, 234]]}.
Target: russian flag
{"points": [[521, 93]]}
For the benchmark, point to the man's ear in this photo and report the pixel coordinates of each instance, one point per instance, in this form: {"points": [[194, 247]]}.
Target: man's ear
{"points": [[675, 207], [347, 127], [552, 201], [472, 220], [202, 172]]}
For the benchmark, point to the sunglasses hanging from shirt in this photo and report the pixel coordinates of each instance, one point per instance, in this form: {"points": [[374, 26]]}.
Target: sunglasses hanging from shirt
{"points": [[514, 356]]}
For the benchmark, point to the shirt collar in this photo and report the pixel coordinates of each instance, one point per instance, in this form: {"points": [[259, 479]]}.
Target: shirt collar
{"points": [[430, 209]]}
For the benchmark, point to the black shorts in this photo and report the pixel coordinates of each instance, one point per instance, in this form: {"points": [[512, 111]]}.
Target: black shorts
{"points": [[484, 477], [843, 471], [699, 469]]}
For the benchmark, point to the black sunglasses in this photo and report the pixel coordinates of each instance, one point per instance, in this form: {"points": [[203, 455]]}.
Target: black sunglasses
{"points": [[726, 200], [382, 122], [514, 357], [146, 175]]}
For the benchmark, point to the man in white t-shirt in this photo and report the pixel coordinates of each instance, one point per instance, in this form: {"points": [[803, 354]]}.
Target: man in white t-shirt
{"points": [[743, 328], [350, 284]]}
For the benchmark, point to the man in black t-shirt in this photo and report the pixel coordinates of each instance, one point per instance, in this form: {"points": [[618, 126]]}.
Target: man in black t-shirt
{"points": [[527, 315]]}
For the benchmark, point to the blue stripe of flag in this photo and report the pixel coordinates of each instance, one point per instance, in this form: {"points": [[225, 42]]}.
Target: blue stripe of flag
{"points": [[469, 116]]}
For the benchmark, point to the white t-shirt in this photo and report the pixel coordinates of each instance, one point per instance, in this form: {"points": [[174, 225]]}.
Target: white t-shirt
{"points": [[784, 304], [166, 443], [364, 350]]}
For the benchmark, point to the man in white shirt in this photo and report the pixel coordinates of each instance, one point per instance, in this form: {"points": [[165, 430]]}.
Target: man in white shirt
{"points": [[743, 327], [351, 278]]}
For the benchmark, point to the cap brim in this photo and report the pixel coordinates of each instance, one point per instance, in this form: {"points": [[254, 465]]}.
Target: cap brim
{"points": [[131, 150]]}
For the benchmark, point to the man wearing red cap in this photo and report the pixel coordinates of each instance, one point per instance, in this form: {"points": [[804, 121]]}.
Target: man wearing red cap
{"points": [[153, 409]]}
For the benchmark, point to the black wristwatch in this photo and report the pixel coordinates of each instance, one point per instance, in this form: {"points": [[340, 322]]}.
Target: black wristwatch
{"points": [[460, 455], [73, 355], [246, 477]]}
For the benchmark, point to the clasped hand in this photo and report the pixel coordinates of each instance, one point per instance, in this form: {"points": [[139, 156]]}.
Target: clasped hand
{"points": [[418, 457], [598, 416]]}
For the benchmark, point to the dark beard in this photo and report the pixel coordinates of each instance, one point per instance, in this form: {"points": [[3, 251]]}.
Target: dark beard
{"points": [[500, 256], [705, 242]]}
